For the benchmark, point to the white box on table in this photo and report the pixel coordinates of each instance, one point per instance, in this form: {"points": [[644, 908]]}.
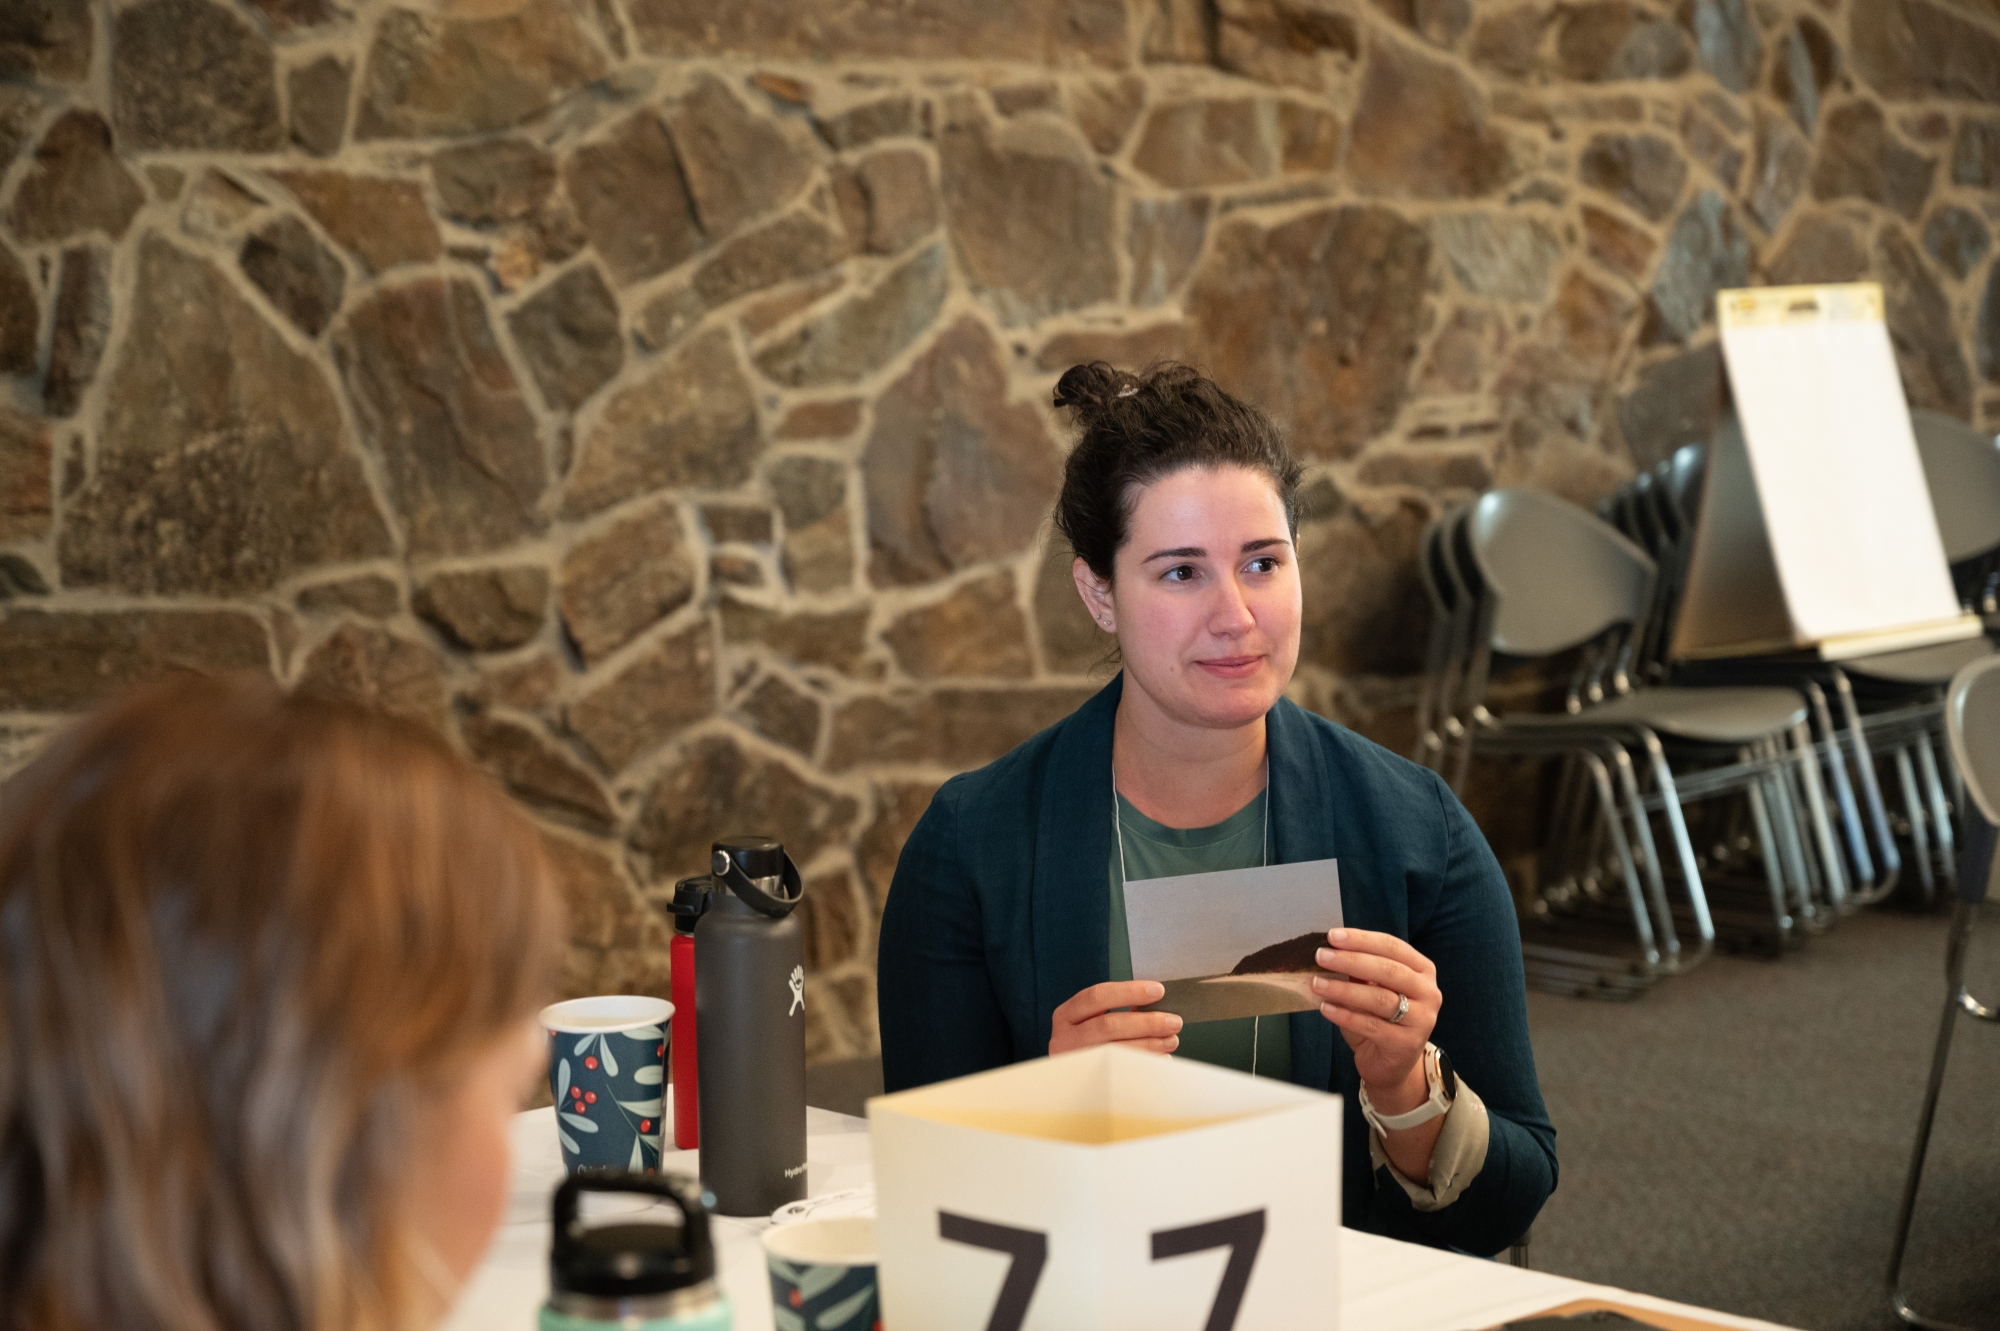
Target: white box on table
{"points": [[1107, 1189]]}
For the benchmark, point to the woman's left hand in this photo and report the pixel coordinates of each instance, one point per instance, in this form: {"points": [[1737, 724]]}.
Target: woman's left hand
{"points": [[1374, 972]]}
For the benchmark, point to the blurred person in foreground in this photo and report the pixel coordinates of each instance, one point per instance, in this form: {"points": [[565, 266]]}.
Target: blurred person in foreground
{"points": [[268, 975], [1005, 935]]}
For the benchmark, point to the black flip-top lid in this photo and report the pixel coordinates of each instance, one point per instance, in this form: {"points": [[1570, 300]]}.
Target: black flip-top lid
{"points": [[691, 900], [630, 1257]]}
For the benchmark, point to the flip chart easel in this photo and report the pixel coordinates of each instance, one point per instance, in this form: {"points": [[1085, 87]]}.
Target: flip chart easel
{"points": [[1816, 533]]}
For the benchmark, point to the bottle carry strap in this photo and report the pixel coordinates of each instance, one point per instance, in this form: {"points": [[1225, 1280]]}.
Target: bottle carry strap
{"points": [[730, 873]]}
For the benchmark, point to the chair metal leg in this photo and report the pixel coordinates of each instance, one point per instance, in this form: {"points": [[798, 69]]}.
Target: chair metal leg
{"points": [[1649, 858], [1871, 788], [1913, 813], [1927, 769], [1807, 759], [1955, 947], [1843, 792], [1791, 847], [1767, 848]]}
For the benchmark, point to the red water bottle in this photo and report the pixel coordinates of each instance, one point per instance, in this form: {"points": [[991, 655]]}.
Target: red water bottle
{"points": [[691, 897]]}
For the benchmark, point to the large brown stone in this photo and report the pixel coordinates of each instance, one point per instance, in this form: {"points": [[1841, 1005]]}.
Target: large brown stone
{"points": [[63, 661], [1707, 252], [632, 200], [75, 184], [1469, 344], [864, 332], [1298, 43], [1606, 40], [1420, 130], [1918, 48], [715, 788], [808, 489], [1677, 401], [380, 671], [958, 728], [1163, 238], [190, 74], [1726, 45], [1616, 243], [1065, 32], [1508, 39], [1975, 157], [27, 477], [821, 420], [798, 244], [1213, 141], [486, 609], [318, 94], [221, 468], [833, 918], [1127, 348], [381, 221], [836, 639], [1641, 171], [691, 422], [1805, 65], [20, 316], [1072, 643], [618, 582], [1365, 609], [1711, 145], [1028, 263], [1920, 328], [434, 77], [301, 277], [777, 710], [1503, 256], [668, 688], [568, 333], [1778, 175], [955, 473], [977, 631], [20, 109], [536, 772], [1586, 322], [46, 39], [1315, 319], [902, 203], [437, 402], [1957, 239], [898, 806], [861, 123], [1105, 109], [1860, 158], [491, 181], [602, 909], [82, 327], [1822, 248], [737, 164]]}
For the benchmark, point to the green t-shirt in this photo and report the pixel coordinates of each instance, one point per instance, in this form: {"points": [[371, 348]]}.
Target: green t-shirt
{"points": [[1154, 850]]}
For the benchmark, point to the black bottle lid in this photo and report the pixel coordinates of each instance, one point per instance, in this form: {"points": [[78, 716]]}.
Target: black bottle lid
{"points": [[691, 899], [743, 864], [757, 856], [631, 1258]]}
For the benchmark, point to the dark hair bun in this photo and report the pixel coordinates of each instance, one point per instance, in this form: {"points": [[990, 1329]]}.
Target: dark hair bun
{"points": [[1090, 388]]}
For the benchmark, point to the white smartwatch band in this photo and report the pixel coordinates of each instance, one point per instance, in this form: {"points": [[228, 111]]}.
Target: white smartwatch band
{"points": [[1443, 1086]]}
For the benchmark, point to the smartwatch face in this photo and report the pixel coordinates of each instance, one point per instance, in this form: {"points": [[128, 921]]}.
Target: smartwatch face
{"points": [[1447, 1075]]}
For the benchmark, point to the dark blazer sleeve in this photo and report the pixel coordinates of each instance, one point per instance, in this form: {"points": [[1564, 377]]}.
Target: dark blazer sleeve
{"points": [[1473, 938], [939, 1014]]}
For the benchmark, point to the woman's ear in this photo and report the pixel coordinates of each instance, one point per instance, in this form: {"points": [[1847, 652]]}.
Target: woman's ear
{"points": [[1096, 594]]}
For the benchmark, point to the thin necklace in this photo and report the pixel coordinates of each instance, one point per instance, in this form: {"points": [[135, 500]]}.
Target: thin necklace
{"points": [[1263, 859]]}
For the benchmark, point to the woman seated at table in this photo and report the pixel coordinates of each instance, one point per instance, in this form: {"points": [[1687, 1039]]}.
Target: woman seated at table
{"points": [[1004, 936], [268, 976]]}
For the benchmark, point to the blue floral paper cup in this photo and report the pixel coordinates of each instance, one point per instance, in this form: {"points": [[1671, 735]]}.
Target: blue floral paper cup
{"points": [[608, 1072], [823, 1275]]}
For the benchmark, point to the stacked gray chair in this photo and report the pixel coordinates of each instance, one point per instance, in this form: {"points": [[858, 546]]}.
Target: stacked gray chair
{"points": [[1972, 725]]}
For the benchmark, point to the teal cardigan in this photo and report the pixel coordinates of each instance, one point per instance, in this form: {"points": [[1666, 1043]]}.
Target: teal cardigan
{"points": [[998, 915]]}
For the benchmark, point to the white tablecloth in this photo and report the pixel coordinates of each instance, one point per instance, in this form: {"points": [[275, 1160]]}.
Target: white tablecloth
{"points": [[1385, 1285]]}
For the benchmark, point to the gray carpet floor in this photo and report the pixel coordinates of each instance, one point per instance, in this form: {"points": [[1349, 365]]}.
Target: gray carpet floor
{"points": [[1738, 1137]]}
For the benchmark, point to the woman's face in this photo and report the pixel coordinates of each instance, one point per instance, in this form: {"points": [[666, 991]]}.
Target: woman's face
{"points": [[1206, 597], [458, 1188]]}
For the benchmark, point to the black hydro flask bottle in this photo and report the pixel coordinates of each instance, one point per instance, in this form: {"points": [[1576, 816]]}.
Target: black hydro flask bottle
{"points": [[750, 1006]]}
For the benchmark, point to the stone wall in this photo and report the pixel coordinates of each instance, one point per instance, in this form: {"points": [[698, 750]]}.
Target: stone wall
{"points": [[653, 394]]}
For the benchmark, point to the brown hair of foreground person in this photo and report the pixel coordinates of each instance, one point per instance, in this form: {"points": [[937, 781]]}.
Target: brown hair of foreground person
{"points": [[247, 943]]}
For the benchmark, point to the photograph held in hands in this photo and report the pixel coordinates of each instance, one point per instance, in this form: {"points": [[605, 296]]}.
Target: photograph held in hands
{"points": [[1237, 943]]}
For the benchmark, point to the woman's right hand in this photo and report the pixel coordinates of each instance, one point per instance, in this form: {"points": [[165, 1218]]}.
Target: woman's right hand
{"points": [[1092, 1017]]}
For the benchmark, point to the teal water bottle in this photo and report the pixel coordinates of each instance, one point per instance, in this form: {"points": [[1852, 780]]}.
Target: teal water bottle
{"points": [[633, 1273]]}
